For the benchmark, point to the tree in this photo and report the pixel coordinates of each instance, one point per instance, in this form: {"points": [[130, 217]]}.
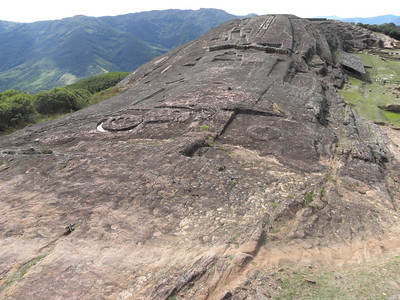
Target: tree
{"points": [[61, 100], [389, 29], [16, 109]]}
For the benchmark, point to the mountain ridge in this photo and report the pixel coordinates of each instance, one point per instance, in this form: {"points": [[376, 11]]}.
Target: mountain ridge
{"points": [[39, 55]]}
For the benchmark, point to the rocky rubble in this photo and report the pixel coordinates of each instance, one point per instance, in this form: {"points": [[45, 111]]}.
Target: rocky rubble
{"points": [[228, 146]]}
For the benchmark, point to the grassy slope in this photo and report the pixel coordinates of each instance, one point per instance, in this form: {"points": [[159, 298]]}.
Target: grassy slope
{"points": [[375, 280], [365, 97]]}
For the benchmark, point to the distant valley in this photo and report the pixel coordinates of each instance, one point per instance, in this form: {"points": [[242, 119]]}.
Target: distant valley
{"points": [[40, 55]]}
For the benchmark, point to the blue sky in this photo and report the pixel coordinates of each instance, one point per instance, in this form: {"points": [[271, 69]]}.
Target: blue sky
{"points": [[30, 11]]}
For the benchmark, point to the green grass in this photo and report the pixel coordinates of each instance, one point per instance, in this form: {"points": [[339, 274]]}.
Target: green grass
{"points": [[99, 83], [386, 69], [204, 127], [369, 281], [104, 95], [392, 117], [308, 198], [23, 270], [365, 97], [274, 205]]}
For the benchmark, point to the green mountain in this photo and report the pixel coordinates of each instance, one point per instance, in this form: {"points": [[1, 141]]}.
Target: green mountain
{"points": [[40, 55], [169, 28]]}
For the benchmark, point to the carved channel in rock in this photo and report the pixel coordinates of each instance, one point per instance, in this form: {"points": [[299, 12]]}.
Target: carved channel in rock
{"points": [[120, 123], [245, 111], [227, 56], [254, 112], [266, 49], [192, 147], [149, 96], [263, 29]]}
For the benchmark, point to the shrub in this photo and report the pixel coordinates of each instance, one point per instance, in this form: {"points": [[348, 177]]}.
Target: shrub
{"points": [[308, 198], [16, 108], [389, 29], [61, 100], [204, 127]]}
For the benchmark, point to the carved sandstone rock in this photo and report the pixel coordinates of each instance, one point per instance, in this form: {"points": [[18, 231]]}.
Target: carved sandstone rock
{"points": [[394, 107], [230, 145]]}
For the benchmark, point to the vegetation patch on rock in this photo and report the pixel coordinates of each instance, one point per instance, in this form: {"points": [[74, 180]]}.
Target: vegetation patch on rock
{"points": [[373, 98]]}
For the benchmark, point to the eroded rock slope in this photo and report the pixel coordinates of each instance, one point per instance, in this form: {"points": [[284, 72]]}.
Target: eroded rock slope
{"points": [[234, 143]]}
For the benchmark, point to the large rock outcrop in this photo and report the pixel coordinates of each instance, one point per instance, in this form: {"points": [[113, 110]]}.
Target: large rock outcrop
{"points": [[216, 154]]}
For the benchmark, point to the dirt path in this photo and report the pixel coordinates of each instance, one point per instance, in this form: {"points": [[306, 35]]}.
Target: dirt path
{"points": [[305, 254], [340, 254]]}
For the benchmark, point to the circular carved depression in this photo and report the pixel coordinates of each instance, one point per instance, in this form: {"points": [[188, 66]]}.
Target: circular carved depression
{"points": [[121, 123]]}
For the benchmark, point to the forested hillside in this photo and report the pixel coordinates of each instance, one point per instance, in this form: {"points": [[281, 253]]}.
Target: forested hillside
{"points": [[389, 29], [40, 55]]}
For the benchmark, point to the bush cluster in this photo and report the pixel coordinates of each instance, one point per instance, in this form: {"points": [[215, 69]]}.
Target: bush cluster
{"points": [[17, 109], [61, 100], [389, 29]]}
